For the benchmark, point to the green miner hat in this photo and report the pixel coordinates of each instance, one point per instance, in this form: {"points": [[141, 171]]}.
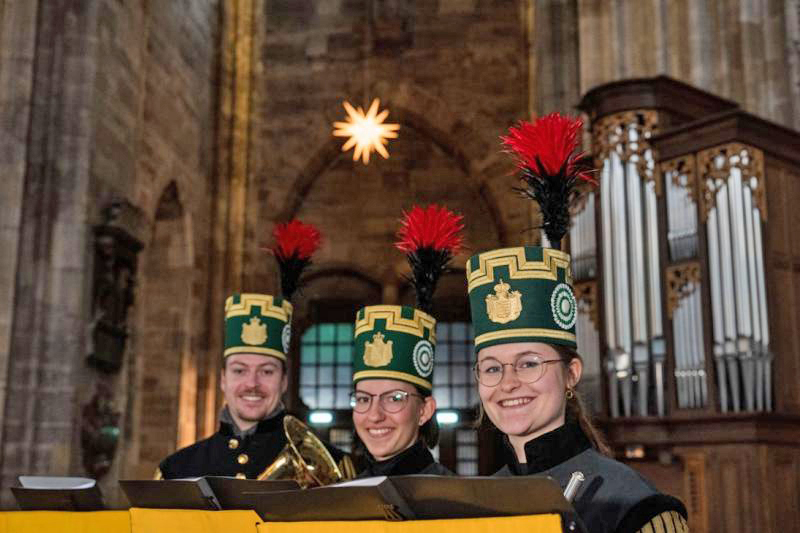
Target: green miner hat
{"points": [[394, 342], [259, 324], [522, 295]]}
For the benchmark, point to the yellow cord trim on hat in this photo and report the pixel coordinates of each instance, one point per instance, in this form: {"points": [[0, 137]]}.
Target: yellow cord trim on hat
{"points": [[392, 374], [524, 332], [395, 321], [264, 301], [255, 350], [519, 267]]}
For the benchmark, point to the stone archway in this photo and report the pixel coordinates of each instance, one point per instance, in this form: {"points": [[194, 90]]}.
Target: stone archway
{"points": [[475, 155], [164, 384]]}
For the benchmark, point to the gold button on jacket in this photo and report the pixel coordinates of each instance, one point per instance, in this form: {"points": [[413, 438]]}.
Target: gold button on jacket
{"points": [[243, 458]]}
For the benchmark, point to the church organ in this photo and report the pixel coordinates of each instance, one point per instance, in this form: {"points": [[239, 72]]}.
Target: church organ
{"points": [[689, 243]]}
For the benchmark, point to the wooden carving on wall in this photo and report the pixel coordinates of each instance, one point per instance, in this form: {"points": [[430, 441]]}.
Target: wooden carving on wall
{"points": [[99, 432], [113, 282]]}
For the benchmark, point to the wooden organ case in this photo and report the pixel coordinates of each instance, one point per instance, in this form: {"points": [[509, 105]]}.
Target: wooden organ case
{"points": [[687, 268]]}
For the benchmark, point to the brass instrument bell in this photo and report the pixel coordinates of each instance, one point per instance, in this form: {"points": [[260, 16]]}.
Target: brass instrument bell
{"points": [[304, 459]]}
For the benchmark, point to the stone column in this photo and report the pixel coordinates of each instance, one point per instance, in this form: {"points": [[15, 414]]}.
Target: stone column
{"points": [[51, 296], [230, 185], [17, 50]]}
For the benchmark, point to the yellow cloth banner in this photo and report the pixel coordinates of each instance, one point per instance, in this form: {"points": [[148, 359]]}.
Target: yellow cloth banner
{"points": [[184, 521], [545, 523], [65, 522]]}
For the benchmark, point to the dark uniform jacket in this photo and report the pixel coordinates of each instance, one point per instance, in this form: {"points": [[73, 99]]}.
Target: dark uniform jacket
{"points": [[614, 498], [228, 453], [415, 460]]}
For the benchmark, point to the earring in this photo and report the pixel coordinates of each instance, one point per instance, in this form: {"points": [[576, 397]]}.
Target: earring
{"points": [[570, 394]]}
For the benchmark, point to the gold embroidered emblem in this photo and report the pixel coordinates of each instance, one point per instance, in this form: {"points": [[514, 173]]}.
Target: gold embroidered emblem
{"points": [[377, 352], [254, 332], [505, 305]]}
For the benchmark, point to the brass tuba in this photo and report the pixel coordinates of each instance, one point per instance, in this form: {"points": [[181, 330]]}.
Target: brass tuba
{"points": [[305, 459]]}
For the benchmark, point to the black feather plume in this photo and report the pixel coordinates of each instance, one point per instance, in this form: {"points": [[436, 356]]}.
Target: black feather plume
{"points": [[554, 193]]}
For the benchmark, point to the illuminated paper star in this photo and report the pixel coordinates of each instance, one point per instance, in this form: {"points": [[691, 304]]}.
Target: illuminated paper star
{"points": [[366, 132]]}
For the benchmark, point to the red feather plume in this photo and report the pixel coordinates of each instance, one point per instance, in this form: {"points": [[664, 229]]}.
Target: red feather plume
{"points": [[295, 240], [551, 140], [429, 237], [551, 168], [432, 227], [295, 243]]}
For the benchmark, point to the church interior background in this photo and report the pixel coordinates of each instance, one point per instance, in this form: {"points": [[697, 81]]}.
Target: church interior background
{"points": [[149, 148]]}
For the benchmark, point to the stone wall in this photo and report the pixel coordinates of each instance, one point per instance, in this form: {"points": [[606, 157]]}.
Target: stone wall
{"points": [[17, 52], [452, 74], [455, 74], [743, 50], [213, 121], [155, 116], [49, 309], [105, 101]]}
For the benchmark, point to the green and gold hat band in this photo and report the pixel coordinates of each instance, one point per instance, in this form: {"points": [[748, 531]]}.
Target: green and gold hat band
{"points": [[257, 324], [522, 294], [394, 342]]}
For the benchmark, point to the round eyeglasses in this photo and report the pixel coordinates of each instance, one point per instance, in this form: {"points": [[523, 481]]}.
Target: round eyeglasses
{"points": [[391, 402], [528, 369]]}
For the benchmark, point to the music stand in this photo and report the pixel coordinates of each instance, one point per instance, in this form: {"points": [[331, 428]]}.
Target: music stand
{"points": [[418, 498], [233, 493], [170, 494], [44, 493]]}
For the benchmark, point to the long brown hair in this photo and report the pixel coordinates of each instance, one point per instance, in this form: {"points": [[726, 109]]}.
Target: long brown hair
{"points": [[575, 410], [429, 431]]}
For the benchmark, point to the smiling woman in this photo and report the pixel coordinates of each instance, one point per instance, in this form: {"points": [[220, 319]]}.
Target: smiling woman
{"points": [[388, 415], [526, 400], [392, 401], [524, 313], [393, 355], [527, 372], [519, 394]]}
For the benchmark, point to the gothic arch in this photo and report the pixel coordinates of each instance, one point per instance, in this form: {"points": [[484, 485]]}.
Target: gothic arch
{"points": [[332, 292], [164, 374], [412, 107], [335, 281]]}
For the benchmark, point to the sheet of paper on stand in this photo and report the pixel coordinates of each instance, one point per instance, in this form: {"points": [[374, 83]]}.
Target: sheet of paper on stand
{"points": [[50, 482]]}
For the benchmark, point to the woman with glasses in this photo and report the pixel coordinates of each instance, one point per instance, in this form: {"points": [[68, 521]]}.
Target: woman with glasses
{"points": [[523, 314], [527, 369], [393, 409], [393, 406]]}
